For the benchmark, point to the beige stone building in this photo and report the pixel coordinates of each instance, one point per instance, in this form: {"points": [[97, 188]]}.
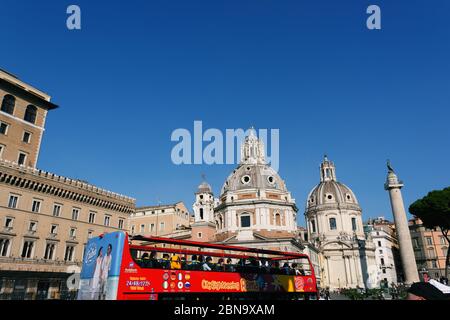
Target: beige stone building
{"points": [[45, 219], [171, 220], [430, 248]]}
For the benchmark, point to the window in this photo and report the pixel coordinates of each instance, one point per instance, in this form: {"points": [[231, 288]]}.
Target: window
{"points": [[36, 206], [201, 213], [133, 229], [245, 179], [429, 241], [382, 261], [22, 158], [142, 228], [30, 114], [26, 137], [444, 251], [3, 128], [152, 227], [384, 270], [433, 264], [354, 224], [333, 224], [12, 203], [443, 240], [91, 217], [431, 253], [120, 223], [8, 104], [90, 234], [313, 226], [68, 256], [56, 210], [54, 229], [9, 222], [73, 233], [381, 251], [27, 249], [245, 221], [379, 243], [2, 147], [416, 243], [75, 213], [277, 219], [199, 235], [32, 226], [4, 247], [49, 251], [107, 221], [161, 226]]}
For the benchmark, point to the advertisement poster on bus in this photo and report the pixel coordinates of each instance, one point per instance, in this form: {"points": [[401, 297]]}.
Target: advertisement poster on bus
{"points": [[101, 267]]}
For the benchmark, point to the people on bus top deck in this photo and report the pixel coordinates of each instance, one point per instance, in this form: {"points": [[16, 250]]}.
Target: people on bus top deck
{"points": [[220, 265], [175, 262], [165, 262], [206, 266], [229, 266]]}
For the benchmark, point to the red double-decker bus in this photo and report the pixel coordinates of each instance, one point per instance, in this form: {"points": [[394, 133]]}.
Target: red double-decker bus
{"points": [[116, 266]]}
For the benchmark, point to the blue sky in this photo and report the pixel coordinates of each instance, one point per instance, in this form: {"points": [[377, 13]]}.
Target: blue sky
{"points": [[140, 69]]}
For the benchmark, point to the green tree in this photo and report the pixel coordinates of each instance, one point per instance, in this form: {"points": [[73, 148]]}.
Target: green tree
{"points": [[434, 211]]}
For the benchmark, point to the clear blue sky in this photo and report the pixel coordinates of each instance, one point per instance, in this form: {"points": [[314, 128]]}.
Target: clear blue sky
{"points": [[140, 69]]}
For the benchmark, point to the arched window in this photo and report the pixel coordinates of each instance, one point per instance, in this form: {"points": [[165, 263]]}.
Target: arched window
{"points": [[201, 213], [277, 219], [30, 114], [333, 224], [8, 104]]}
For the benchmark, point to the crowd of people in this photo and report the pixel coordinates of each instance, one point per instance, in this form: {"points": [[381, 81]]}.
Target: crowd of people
{"points": [[201, 263]]}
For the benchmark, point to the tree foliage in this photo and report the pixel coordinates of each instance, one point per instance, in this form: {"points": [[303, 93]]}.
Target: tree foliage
{"points": [[434, 209]]}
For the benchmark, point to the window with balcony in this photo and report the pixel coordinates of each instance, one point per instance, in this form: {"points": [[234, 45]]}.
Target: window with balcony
{"points": [[429, 241], [69, 254], [27, 250], [4, 247], [49, 251]]}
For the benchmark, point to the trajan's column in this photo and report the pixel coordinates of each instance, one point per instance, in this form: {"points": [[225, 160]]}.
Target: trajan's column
{"points": [[393, 185]]}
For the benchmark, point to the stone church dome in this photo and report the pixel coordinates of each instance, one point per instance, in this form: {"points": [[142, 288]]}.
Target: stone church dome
{"points": [[254, 176], [204, 187], [253, 172], [329, 191]]}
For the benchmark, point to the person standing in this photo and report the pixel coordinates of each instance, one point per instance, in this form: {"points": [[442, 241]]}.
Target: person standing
{"points": [[105, 267]]}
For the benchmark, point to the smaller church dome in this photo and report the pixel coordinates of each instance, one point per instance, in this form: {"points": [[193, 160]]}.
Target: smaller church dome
{"points": [[204, 187], [329, 190]]}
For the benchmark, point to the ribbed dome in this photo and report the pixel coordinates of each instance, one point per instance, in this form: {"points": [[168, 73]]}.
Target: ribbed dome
{"points": [[331, 192], [253, 176]]}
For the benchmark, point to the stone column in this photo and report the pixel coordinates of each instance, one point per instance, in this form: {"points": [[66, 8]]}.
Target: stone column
{"points": [[393, 185]]}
